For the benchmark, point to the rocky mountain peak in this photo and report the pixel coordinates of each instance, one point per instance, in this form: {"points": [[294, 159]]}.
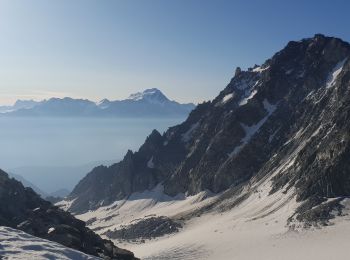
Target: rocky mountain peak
{"points": [[238, 71], [271, 121], [104, 103], [25, 104]]}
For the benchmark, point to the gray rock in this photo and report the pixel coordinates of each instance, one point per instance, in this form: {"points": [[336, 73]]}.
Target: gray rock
{"points": [[23, 209], [148, 228]]}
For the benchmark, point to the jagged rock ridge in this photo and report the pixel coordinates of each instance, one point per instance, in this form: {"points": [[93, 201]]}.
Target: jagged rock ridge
{"points": [[288, 117]]}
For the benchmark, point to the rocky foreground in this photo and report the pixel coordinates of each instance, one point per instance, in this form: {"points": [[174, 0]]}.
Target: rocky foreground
{"points": [[21, 208]]}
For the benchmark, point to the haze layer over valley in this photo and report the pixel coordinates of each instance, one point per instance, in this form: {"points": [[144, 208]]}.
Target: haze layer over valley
{"points": [[55, 151]]}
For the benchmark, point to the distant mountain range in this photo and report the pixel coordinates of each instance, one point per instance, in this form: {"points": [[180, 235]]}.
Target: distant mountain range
{"points": [[57, 193], [149, 103], [20, 104]]}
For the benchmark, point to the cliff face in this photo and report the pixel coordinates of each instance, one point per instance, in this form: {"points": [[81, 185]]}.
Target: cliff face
{"points": [[288, 117], [23, 209]]}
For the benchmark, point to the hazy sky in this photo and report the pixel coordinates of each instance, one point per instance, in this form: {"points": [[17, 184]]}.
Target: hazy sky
{"points": [[187, 48]]}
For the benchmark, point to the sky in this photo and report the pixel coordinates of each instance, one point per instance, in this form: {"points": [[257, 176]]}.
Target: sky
{"points": [[187, 48]]}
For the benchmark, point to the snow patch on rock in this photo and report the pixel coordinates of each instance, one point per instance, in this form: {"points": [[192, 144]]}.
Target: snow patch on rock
{"points": [[260, 69], [150, 163], [246, 99], [334, 74], [227, 98], [250, 131]]}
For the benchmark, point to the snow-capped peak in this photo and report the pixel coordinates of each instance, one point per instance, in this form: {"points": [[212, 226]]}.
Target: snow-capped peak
{"points": [[104, 103], [153, 95]]}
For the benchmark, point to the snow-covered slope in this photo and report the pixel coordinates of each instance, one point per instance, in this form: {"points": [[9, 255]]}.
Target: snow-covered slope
{"points": [[15, 244], [223, 226], [142, 205]]}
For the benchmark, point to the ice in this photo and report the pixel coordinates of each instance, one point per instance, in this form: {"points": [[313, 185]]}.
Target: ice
{"points": [[334, 74], [245, 100], [227, 98], [260, 69]]}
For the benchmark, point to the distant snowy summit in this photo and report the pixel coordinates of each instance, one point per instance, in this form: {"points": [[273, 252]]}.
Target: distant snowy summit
{"points": [[149, 103], [151, 95]]}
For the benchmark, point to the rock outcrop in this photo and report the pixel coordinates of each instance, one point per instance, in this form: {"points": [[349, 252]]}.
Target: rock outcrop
{"points": [[23, 209], [147, 228]]}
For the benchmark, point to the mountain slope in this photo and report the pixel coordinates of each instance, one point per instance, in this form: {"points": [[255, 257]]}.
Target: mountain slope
{"points": [[16, 244], [27, 183], [23, 209], [149, 103], [19, 104], [59, 107], [289, 117]]}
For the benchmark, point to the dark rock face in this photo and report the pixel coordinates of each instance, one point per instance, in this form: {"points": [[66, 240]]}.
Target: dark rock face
{"points": [[289, 117], [146, 229], [23, 209], [136, 172]]}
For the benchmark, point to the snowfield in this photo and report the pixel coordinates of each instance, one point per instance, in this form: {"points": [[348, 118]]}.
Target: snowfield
{"points": [[142, 205], [15, 244], [254, 229]]}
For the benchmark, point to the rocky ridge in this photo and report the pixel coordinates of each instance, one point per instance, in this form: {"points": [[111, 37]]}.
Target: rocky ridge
{"points": [[23, 209], [287, 119]]}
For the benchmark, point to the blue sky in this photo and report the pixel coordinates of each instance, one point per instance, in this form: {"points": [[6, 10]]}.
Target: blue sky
{"points": [[187, 48]]}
